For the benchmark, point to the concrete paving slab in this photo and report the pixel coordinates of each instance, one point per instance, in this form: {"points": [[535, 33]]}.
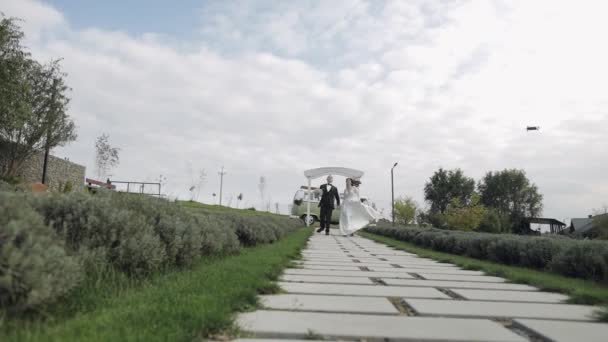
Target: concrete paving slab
{"points": [[408, 268], [327, 279], [465, 308], [324, 253], [326, 259], [378, 264], [468, 278], [331, 267], [341, 304], [342, 262], [272, 340], [560, 331], [422, 265], [365, 274], [341, 258], [447, 271], [363, 290], [512, 296], [450, 271], [285, 325], [459, 284]]}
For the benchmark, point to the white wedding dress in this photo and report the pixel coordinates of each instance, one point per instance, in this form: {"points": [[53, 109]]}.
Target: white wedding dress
{"points": [[355, 215]]}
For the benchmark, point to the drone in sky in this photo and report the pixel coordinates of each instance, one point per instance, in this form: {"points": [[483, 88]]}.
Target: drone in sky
{"points": [[532, 128]]}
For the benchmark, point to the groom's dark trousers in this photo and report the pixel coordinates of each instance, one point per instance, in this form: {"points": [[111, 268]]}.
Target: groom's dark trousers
{"points": [[325, 217]]}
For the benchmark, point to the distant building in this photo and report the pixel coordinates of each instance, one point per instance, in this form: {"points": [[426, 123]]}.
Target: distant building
{"points": [[555, 226], [583, 226]]}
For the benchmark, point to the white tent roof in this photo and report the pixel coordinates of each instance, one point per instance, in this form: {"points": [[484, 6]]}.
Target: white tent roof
{"points": [[340, 171]]}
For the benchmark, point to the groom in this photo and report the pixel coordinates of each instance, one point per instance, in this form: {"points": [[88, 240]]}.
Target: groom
{"points": [[327, 204]]}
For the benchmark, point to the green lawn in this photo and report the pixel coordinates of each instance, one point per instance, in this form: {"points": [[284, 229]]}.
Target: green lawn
{"points": [[580, 291], [176, 306], [222, 209]]}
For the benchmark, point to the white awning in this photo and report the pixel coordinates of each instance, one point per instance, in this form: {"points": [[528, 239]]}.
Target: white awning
{"points": [[340, 171]]}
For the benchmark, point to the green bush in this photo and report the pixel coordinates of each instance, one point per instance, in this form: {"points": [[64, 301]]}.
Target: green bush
{"points": [[217, 238], [96, 223], [34, 265], [47, 239], [575, 258], [494, 222], [177, 229], [584, 259], [68, 187]]}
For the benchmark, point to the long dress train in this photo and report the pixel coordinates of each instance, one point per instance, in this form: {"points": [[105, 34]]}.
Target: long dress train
{"points": [[354, 214]]}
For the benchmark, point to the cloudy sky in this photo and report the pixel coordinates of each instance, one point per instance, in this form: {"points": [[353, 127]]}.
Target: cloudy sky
{"points": [[271, 88]]}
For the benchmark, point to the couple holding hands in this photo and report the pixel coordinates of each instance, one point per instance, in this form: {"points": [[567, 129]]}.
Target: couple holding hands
{"points": [[354, 214]]}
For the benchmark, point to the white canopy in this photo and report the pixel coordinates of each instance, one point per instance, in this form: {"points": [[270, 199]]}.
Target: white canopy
{"points": [[340, 171], [322, 171]]}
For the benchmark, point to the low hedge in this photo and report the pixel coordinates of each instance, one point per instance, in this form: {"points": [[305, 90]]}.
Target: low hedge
{"points": [[575, 258], [34, 265], [50, 242]]}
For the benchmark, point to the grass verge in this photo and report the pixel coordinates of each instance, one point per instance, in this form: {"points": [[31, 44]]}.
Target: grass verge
{"points": [[177, 306], [580, 291]]}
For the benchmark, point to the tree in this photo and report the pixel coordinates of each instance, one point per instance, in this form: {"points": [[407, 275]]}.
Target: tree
{"points": [[464, 217], [494, 222], [33, 102], [202, 178], [600, 223], [106, 156], [405, 210], [512, 194], [446, 185]]}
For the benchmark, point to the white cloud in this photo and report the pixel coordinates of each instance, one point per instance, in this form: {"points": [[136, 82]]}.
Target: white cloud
{"points": [[38, 16], [275, 89]]}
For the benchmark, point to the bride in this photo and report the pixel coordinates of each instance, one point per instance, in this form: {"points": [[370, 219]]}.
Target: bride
{"points": [[354, 214]]}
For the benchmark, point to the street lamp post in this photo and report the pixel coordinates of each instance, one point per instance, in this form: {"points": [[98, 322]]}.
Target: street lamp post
{"points": [[393, 193]]}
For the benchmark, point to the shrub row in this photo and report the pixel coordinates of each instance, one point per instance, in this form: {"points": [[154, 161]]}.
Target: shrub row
{"points": [[48, 241], [575, 258]]}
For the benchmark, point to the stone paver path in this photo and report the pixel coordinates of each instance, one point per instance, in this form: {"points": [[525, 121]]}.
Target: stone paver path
{"points": [[354, 289]]}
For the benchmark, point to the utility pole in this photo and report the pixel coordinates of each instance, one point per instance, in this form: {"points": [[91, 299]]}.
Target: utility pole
{"points": [[393, 193], [221, 173]]}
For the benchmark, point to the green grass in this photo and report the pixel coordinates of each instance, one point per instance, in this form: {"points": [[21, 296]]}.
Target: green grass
{"points": [[580, 291], [176, 306], [192, 205]]}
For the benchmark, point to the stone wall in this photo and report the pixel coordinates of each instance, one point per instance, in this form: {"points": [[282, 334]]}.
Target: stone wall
{"points": [[58, 173]]}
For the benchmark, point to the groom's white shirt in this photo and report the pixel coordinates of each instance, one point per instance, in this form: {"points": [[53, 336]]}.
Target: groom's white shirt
{"points": [[328, 186]]}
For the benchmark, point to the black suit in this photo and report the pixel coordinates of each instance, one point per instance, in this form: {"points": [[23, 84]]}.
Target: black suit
{"points": [[327, 205]]}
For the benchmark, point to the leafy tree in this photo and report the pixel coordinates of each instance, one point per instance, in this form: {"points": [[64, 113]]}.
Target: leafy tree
{"points": [[202, 179], [512, 194], [465, 217], [494, 222], [106, 156], [33, 102], [445, 185], [600, 223], [405, 210], [239, 198]]}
